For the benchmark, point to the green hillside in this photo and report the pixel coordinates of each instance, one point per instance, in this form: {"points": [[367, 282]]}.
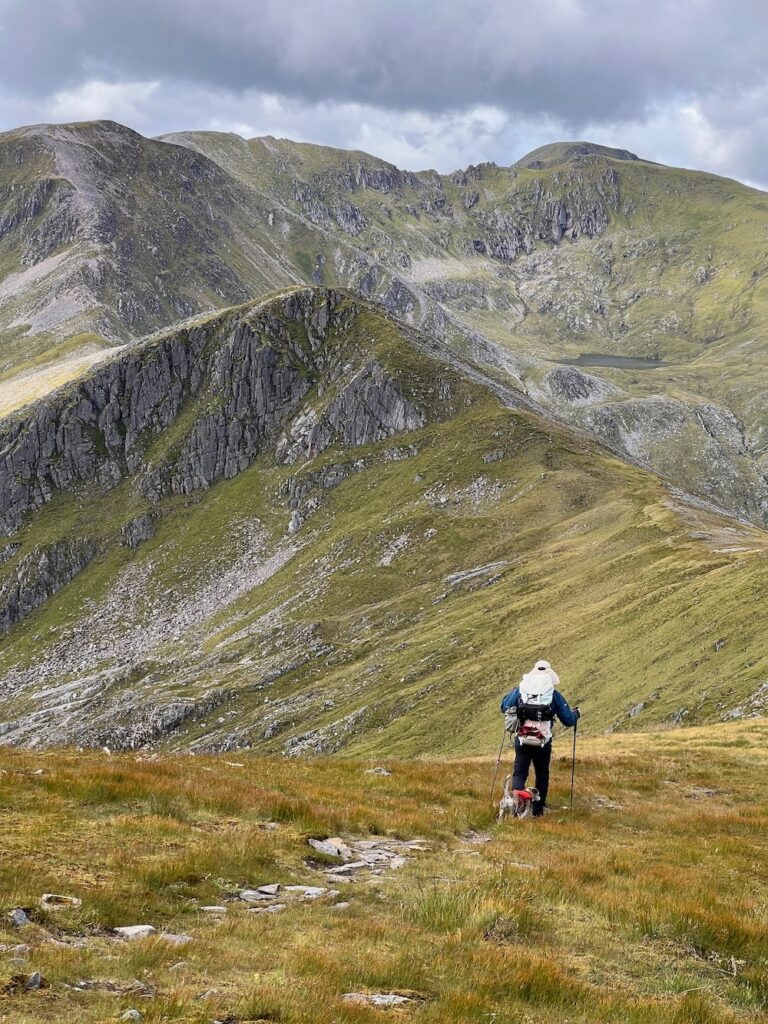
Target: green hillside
{"points": [[364, 569], [556, 153], [619, 296]]}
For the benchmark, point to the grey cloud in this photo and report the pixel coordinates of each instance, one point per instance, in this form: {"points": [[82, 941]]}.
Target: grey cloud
{"points": [[421, 82], [574, 60]]}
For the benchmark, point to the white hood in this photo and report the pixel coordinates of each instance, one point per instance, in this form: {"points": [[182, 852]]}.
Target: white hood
{"points": [[540, 679]]}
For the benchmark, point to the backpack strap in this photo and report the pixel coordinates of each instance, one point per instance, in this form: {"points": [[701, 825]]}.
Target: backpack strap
{"points": [[535, 713]]}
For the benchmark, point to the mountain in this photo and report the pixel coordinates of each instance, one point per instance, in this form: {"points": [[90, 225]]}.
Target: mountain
{"points": [[557, 153], [300, 525], [303, 454], [621, 297]]}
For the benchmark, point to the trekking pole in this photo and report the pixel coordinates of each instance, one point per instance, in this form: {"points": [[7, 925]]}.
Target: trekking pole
{"points": [[498, 762], [573, 759]]}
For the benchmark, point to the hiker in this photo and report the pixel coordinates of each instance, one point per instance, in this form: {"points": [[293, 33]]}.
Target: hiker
{"points": [[535, 703]]}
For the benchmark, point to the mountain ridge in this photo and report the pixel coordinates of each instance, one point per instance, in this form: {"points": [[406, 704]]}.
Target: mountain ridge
{"points": [[519, 270], [315, 525]]}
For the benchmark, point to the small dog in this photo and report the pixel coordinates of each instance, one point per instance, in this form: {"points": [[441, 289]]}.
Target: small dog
{"points": [[515, 802]]}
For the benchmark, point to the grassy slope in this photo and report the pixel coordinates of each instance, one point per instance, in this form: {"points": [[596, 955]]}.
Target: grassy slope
{"points": [[555, 153], [677, 223], [591, 564], [678, 273], [37, 377], [647, 903], [634, 289]]}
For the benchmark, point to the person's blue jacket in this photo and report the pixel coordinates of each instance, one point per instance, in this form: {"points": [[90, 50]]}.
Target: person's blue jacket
{"points": [[559, 706]]}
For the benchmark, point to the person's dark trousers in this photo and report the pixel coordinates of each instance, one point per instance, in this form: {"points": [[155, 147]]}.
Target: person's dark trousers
{"points": [[539, 757]]}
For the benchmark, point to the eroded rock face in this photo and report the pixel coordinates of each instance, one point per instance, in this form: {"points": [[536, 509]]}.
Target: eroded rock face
{"points": [[578, 210], [41, 574], [253, 374], [97, 431], [137, 530], [223, 391], [370, 408]]}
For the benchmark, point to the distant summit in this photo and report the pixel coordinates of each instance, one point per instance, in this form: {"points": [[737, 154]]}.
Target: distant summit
{"points": [[561, 152]]}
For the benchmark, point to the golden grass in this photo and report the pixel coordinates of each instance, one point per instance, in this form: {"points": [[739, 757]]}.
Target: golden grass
{"points": [[647, 903], [28, 385]]}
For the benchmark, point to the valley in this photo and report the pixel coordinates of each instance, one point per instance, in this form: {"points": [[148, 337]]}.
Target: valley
{"points": [[318, 531]]}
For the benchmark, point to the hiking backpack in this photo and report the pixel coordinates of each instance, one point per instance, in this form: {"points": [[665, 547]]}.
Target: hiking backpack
{"points": [[535, 711]]}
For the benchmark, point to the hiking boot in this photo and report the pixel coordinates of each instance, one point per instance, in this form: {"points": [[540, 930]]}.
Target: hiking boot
{"points": [[538, 809]]}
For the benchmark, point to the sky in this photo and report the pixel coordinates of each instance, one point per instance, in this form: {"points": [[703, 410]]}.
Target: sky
{"points": [[423, 83]]}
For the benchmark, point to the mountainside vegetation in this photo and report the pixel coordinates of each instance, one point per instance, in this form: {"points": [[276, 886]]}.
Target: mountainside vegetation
{"points": [[623, 297], [302, 454], [644, 904], [300, 526]]}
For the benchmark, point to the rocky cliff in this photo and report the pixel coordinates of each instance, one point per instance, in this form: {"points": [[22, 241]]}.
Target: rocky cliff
{"points": [[178, 413], [575, 252], [301, 526], [245, 375]]}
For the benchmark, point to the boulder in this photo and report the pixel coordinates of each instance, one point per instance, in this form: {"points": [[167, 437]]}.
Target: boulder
{"points": [[308, 892], [54, 901], [136, 931], [332, 847], [383, 999], [175, 940], [255, 896], [348, 869]]}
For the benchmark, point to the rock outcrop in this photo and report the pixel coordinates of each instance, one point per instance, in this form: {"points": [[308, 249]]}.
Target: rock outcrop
{"points": [[239, 379], [190, 408], [137, 530], [567, 384], [580, 208], [41, 574]]}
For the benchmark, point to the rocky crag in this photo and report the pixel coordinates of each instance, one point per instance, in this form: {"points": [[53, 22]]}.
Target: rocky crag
{"points": [[302, 526], [646, 282], [239, 385]]}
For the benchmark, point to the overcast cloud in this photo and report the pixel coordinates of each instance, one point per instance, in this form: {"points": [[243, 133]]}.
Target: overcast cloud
{"points": [[425, 83]]}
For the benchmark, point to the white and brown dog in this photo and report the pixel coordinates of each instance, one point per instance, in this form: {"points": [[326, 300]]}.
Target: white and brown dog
{"points": [[517, 803]]}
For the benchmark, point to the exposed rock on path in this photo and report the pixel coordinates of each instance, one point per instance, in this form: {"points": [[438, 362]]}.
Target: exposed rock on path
{"points": [[380, 999]]}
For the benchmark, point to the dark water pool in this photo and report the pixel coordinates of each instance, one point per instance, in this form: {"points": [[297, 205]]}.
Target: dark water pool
{"points": [[618, 362]]}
